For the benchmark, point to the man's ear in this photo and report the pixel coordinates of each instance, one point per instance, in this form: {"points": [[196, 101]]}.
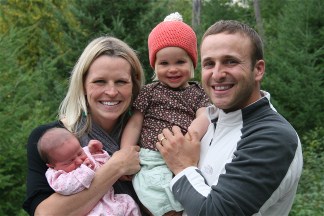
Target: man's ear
{"points": [[259, 70]]}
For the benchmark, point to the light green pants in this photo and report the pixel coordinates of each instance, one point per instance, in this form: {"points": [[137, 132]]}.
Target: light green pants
{"points": [[152, 184]]}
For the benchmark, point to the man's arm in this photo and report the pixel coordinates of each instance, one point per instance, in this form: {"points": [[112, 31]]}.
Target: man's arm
{"points": [[261, 177]]}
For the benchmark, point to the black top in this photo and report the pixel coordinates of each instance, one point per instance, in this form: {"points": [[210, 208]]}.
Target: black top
{"points": [[38, 188]]}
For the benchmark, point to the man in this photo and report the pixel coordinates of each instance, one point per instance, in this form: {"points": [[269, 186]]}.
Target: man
{"points": [[249, 162]]}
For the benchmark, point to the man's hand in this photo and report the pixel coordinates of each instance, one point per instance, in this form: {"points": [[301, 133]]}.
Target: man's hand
{"points": [[179, 151]]}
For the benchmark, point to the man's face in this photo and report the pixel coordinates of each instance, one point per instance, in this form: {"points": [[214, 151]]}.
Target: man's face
{"points": [[228, 76]]}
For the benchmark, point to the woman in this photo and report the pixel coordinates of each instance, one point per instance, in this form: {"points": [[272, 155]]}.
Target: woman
{"points": [[103, 84]]}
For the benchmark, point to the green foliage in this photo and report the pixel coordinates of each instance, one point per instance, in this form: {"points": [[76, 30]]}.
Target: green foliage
{"points": [[215, 10], [31, 88], [295, 73], [294, 77], [12, 175], [48, 24], [127, 20], [271, 15], [26, 97], [310, 195]]}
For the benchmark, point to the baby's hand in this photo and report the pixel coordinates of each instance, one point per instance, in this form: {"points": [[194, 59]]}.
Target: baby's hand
{"points": [[95, 147], [89, 163]]}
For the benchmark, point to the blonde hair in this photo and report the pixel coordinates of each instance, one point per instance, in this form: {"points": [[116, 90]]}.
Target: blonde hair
{"points": [[74, 105]]}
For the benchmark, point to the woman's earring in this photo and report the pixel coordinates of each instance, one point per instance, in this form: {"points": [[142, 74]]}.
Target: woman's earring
{"points": [[84, 114]]}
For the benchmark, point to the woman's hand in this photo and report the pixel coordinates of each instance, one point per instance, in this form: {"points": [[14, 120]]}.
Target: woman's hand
{"points": [[127, 159]]}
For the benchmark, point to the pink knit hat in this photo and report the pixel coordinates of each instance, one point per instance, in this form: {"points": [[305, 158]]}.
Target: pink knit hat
{"points": [[172, 32]]}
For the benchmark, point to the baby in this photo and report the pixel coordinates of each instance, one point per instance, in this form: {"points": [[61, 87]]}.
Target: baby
{"points": [[71, 169]]}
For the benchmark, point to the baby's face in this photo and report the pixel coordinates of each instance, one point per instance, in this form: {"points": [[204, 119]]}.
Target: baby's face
{"points": [[68, 156], [173, 67]]}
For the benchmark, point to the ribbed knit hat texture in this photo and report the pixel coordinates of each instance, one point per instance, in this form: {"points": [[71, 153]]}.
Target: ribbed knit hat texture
{"points": [[172, 32]]}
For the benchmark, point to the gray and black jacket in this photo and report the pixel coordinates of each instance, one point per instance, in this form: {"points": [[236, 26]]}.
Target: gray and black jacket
{"points": [[250, 164]]}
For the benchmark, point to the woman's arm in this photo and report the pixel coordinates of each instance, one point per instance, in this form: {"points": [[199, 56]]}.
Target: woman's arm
{"points": [[105, 177]]}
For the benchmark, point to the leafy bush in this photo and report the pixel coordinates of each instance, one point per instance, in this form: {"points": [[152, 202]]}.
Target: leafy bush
{"points": [[310, 195]]}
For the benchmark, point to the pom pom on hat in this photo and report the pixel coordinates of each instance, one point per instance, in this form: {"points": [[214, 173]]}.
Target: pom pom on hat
{"points": [[172, 32], [173, 17]]}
